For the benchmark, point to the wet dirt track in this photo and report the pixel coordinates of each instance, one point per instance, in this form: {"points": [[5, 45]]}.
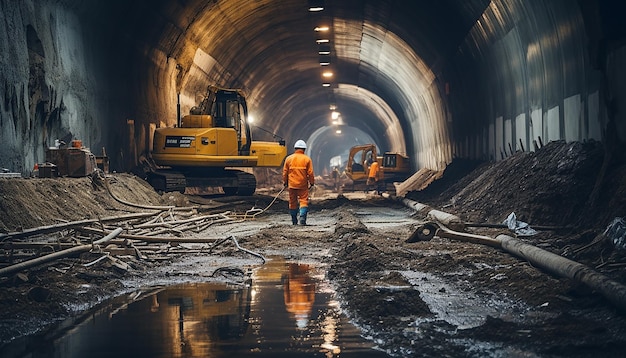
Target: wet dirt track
{"points": [[411, 299], [432, 298]]}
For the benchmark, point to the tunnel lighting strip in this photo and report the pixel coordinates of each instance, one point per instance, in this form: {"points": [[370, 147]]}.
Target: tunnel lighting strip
{"points": [[323, 43]]}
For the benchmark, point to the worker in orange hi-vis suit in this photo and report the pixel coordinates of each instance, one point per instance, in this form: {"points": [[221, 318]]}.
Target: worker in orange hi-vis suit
{"points": [[298, 177], [374, 176]]}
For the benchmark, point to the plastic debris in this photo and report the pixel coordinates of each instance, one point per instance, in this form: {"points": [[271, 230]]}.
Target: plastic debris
{"points": [[616, 233], [519, 227]]}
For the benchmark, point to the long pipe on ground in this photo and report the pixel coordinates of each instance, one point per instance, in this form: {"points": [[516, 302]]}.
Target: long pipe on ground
{"points": [[559, 265], [449, 220], [57, 255], [161, 239], [613, 291], [58, 227]]}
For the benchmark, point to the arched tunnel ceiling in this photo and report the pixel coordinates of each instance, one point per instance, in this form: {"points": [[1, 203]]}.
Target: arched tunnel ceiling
{"points": [[383, 57]]}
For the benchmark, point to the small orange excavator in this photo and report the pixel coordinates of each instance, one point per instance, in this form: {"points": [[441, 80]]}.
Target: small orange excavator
{"points": [[394, 166]]}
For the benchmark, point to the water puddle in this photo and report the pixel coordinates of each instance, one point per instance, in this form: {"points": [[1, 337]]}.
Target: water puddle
{"points": [[283, 309]]}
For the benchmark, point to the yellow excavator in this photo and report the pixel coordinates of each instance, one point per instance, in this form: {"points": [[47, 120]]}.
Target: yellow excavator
{"points": [[394, 166], [208, 146]]}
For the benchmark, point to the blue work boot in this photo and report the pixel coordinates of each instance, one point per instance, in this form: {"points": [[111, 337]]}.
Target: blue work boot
{"points": [[294, 216], [303, 212]]}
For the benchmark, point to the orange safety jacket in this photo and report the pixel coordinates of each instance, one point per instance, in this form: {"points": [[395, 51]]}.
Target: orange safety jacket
{"points": [[298, 170], [374, 171]]}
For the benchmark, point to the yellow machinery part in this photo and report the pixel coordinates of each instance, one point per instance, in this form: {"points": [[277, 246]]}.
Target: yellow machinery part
{"points": [[211, 147], [270, 154]]}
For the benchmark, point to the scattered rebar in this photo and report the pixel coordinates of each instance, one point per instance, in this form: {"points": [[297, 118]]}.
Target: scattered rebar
{"points": [[56, 255], [156, 232], [238, 247]]}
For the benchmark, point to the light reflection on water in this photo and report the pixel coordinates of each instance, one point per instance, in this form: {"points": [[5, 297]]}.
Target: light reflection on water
{"points": [[284, 311]]}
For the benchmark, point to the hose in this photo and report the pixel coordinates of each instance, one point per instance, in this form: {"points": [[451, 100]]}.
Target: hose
{"points": [[260, 211]]}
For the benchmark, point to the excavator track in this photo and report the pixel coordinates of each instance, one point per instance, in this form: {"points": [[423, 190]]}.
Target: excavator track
{"points": [[232, 182], [167, 181], [389, 187], [247, 183]]}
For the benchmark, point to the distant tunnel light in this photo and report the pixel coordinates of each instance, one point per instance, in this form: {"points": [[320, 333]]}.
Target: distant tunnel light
{"points": [[338, 131], [316, 5], [334, 115]]}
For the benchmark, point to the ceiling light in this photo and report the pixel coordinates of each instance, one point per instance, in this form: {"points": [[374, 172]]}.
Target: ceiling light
{"points": [[327, 74], [325, 84], [322, 41], [322, 28], [323, 50], [332, 107], [324, 60], [334, 115], [316, 5], [338, 131]]}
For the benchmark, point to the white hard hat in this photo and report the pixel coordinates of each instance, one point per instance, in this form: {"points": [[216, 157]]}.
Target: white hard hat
{"points": [[300, 144]]}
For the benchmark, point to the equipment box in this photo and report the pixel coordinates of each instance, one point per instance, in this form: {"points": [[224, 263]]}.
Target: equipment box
{"points": [[72, 162], [47, 170]]}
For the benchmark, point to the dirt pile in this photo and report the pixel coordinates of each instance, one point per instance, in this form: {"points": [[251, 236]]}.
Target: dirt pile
{"points": [[551, 186], [28, 203]]}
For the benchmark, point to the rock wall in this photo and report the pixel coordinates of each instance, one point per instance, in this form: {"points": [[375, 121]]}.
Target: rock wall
{"points": [[52, 81]]}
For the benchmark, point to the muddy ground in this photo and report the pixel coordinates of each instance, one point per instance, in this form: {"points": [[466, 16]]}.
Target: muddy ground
{"points": [[440, 297]]}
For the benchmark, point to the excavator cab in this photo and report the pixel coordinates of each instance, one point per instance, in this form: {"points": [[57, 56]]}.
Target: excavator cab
{"points": [[359, 160], [230, 111]]}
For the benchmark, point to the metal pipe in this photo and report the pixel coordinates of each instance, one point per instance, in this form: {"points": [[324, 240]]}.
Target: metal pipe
{"points": [[611, 290], [553, 263], [69, 225], [463, 236], [57, 255], [446, 219]]}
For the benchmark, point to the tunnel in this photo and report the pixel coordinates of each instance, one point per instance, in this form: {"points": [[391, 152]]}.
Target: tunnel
{"points": [[474, 79], [509, 239]]}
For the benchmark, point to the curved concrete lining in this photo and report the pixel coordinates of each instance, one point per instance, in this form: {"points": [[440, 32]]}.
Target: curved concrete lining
{"points": [[471, 79]]}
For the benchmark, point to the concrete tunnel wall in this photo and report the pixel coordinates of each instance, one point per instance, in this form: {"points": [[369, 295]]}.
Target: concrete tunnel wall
{"points": [[531, 67], [521, 71]]}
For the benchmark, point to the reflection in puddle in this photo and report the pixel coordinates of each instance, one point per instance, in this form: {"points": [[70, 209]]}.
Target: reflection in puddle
{"points": [[284, 310], [299, 293]]}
